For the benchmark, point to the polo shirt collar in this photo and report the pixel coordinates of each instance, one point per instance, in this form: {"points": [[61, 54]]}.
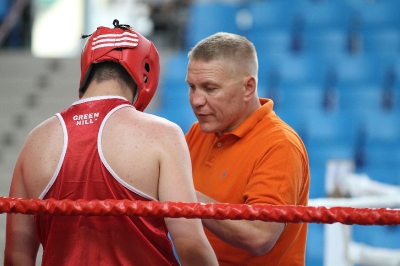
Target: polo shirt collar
{"points": [[247, 125]]}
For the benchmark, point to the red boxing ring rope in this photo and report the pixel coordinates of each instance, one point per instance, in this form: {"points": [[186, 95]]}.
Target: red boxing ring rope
{"points": [[220, 211]]}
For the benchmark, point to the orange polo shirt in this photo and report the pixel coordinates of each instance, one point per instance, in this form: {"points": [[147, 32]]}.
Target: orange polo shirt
{"points": [[262, 161]]}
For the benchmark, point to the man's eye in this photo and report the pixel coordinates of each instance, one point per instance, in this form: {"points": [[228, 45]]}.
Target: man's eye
{"points": [[210, 89]]}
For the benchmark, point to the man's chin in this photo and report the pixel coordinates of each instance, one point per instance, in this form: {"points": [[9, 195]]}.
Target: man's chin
{"points": [[207, 128]]}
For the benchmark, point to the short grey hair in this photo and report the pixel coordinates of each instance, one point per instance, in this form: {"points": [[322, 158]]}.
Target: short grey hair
{"points": [[227, 46]]}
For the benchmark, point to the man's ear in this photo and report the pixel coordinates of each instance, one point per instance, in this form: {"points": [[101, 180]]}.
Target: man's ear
{"points": [[250, 85]]}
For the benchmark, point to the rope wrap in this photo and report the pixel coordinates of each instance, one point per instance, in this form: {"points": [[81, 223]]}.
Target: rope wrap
{"points": [[220, 211]]}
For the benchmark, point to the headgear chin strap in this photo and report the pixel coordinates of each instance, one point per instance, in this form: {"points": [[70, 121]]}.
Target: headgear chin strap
{"points": [[134, 52]]}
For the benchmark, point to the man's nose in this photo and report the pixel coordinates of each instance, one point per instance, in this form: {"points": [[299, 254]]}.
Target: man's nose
{"points": [[197, 98]]}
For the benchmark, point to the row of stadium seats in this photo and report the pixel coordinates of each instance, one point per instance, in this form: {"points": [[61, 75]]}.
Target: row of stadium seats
{"points": [[321, 15], [330, 41], [290, 70], [277, 22]]}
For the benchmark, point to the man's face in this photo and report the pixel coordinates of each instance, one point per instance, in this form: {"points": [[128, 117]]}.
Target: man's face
{"points": [[216, 95]]}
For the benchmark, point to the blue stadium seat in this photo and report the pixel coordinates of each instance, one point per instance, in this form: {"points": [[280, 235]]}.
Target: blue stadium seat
{"points": [[383, 154], [320, 153], [296, 70], [271, 42], [273, 24], [307, 96], [360, 97], [356, 69], [385, 41], [329, 135], [207, 18], [271, 15], [320, 16], [376, 15], [382, 146], [384, 174], [331, 127], [377, 236], [304, 107], [382, 127], [268, 72], [327, 42]]}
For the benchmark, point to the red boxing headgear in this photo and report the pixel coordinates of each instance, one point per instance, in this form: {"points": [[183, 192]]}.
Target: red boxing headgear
{"points": [[134, 52]]}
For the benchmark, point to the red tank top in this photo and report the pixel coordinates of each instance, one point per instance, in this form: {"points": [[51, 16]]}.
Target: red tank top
{"points": [[83, 173]]}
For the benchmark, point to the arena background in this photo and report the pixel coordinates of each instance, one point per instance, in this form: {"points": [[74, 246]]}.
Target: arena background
{"points": [[331, 66]]}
